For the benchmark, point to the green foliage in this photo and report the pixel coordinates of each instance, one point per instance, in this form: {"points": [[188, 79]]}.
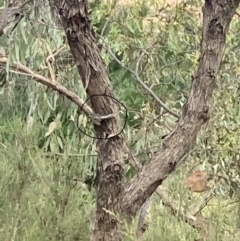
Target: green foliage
{"points": [[44, 196]]}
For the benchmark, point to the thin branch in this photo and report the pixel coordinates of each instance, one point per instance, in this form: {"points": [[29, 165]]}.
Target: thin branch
{"points": [[135, 73], [204, 204], [69, 154], [96, 118], [237, 14], [33, 105], [49, 61], [109, 18], [3, 145], [55, 86]]}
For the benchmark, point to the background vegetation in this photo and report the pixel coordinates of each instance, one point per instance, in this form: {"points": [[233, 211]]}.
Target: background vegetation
{"points": [[47, 179]]}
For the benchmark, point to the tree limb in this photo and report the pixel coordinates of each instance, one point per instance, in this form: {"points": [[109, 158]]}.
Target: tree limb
{"points": [[195, 111], [55, 86], [81, 38], [195, 220]]}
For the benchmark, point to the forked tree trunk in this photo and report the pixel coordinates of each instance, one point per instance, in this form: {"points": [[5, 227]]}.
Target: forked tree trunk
{"points": [[112, 199]]}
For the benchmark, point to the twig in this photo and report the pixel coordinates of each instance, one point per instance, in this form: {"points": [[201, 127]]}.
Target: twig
{"points": [[134, 73], [16, 226], [69, 154], [96, 118], [204, 204], [49, 60], [237, 14], [3, 145], [109, 18], [57, 86]]}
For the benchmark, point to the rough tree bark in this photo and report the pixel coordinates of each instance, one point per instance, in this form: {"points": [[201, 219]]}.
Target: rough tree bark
{"points": [[11, 15], [111, 196], [196, 111], [83, 44]]}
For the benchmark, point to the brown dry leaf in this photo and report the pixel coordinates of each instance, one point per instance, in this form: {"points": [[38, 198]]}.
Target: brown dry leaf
{"points": [[197, 181]]}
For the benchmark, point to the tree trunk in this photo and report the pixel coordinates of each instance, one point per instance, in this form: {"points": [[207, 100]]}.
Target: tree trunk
{"points": [[83, 44], [196, 111], [111, 198]]}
